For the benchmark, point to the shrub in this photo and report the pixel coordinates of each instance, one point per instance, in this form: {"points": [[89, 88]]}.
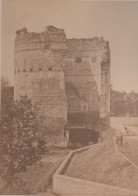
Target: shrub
{"points": [[19, 146]]}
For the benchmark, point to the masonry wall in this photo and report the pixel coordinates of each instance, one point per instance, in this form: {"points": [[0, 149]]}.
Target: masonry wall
{"points": [[84, 76], [62, 76], [65, 185], [42, 79]]}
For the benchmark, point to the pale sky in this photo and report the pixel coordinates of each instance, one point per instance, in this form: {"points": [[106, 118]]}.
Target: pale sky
{"points": [[116, 21]]}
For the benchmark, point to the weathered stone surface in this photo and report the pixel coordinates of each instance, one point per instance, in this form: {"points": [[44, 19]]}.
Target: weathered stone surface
{"points": [[62, 76]]}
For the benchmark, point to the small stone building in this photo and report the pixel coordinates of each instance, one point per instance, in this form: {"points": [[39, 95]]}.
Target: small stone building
{"points": [[64, 77]]}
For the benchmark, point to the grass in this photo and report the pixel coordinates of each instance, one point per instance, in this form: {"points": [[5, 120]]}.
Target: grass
{"points": [[103, 164], [130, 148], [37, 178]]}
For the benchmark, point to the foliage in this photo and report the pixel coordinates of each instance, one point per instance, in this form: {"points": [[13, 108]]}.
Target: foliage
{"points": [[6, 103], [19, 146], [123, 103]]}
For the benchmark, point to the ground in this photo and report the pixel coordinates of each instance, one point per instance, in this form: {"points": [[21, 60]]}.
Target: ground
{"points": [[130, 139], [118, 124], [104, 164], [130, 148], [38, 177]]}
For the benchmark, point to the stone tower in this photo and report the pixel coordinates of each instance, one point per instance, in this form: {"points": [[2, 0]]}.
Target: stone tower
{"points": [[63, 77]]}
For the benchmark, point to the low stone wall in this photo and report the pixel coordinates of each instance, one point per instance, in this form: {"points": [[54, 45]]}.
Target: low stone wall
{"points": [[65, 185]]}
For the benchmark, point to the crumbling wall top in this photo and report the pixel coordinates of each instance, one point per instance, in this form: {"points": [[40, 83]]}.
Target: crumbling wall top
{"points": [[51, 34], [23, 30], [57, 38], [52, 29]]}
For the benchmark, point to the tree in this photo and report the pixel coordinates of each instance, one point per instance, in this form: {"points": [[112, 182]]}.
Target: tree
{"points": [[123, 103], [6, 103], [19, 145]]}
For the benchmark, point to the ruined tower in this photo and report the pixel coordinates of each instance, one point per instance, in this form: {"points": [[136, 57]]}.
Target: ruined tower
{"points": [[63, 77]]}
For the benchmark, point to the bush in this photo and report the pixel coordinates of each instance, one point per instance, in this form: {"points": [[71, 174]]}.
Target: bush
{"points": [[19, 146]]}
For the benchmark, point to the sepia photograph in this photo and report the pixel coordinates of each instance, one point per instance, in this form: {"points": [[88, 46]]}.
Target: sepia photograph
{"points": [[69, 98]]}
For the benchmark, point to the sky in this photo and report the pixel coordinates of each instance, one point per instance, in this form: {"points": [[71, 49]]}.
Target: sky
{"points": [[116, 21]]}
